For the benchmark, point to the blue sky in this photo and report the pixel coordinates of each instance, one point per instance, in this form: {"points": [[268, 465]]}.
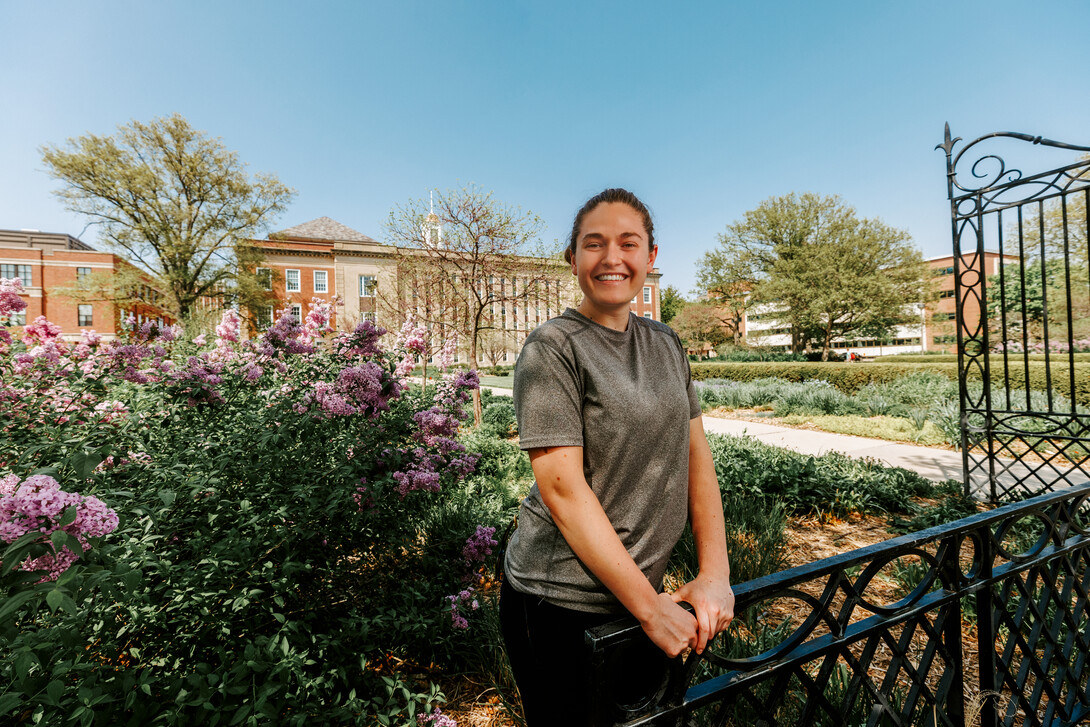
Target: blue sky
{"points": [[703, 109]]}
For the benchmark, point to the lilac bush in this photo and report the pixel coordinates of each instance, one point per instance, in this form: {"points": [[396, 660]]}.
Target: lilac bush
{"points": [[289, 514]]}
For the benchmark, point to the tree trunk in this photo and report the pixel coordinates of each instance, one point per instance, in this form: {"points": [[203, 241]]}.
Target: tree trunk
{"points": [[477, 412]]}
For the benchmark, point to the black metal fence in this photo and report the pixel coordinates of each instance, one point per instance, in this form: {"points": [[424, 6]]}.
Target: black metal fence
{"points": [[1022, 291], [990, 612]]}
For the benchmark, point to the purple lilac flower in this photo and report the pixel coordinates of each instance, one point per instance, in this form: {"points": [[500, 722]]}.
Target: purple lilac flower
{"points": [[465, 596], [479, 545], [363, 341], [435, 719], [35, 505]]}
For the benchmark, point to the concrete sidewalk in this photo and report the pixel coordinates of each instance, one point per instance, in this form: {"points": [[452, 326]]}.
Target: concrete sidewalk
{"points": [[931, 462]]}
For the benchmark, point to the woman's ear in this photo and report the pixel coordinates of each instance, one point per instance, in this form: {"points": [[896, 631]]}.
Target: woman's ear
{"points": [[651, 258]]}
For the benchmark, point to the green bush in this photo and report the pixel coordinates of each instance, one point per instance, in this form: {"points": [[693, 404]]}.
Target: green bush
{"points": [[756, 540], [850, 378], [830, 484], [499, 416], [284, 556]]}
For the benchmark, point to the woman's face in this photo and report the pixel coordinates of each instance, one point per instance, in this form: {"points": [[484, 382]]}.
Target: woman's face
{"points": [[612, 258]]}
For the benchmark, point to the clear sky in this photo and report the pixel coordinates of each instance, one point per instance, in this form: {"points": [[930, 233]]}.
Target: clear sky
{"points": [[704, 109]]}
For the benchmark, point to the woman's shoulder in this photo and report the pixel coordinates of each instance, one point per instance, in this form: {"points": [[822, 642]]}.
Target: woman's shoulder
{"points": [[657, 328]]}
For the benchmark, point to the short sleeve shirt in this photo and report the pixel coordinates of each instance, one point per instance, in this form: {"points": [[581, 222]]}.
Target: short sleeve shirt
{"points": [[625, 397]]}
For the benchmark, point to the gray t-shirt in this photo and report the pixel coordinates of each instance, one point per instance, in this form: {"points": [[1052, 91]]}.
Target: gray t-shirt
{"points": [[625, 397]]}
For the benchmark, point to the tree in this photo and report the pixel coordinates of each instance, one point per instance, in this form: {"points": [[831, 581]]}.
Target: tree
{"points": [[726, 275], [821, 271], [670, 303], [173, 202], [700, 326], [466, 263]]}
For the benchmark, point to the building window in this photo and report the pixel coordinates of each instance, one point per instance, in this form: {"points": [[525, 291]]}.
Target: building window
{"points": [[647, 294], [943, 271], [264, 278], [367, 286], [647, 315], [946, 294], [82, 274], [291, 279], [321, 281], [369, 316], [17, 271], [265, 316], [86, 316], [297, 312]]}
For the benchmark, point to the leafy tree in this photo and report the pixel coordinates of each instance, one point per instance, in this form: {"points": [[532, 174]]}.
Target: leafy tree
{"points": [[820, 270], [464, 264], [670, 303], [699, 325], [173, 202], [726, 275]]}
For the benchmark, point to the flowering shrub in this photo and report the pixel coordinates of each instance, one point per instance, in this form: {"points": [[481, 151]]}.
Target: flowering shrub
{"points": [[291, 517], [35, 506]]}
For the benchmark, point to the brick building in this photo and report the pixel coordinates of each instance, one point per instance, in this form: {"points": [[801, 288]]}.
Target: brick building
{"points": [[53, 266], [325, 259]]}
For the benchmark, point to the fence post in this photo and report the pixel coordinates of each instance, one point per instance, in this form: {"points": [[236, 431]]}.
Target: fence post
{"points": [[986, 628], [951, 629]]}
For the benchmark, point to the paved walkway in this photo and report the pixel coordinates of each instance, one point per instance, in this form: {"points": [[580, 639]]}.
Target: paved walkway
{"points": [[931, 462]]}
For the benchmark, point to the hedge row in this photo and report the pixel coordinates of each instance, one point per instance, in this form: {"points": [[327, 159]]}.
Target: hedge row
{"points": [[851, 377], [953, 357]]}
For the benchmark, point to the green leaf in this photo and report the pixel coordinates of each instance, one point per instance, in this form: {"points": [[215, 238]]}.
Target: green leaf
{"points": [[13, 603], [54, 598], [55, 689], [8, 702], [84, 463], [168, 497], [68, 516], [58, 539]]}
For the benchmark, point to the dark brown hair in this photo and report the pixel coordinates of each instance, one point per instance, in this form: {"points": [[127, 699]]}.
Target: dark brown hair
{"points": [[616, 194]]}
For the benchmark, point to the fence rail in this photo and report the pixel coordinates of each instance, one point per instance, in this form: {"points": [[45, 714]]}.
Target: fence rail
{"points": [[995, 603]]}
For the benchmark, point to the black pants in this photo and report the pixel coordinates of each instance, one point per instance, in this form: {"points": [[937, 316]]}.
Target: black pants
{"points": [[551, 663]]}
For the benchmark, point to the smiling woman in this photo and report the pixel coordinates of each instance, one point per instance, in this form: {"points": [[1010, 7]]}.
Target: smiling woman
{"points": [[607, 409]]}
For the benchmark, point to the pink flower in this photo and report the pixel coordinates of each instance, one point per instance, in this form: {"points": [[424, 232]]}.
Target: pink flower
{"points": [[35, 505], [199, 340], [229, 326], [10, 302], [40, 331]]}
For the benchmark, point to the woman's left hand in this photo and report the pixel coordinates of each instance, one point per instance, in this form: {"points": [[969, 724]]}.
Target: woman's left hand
{"points": [[713, 603]]}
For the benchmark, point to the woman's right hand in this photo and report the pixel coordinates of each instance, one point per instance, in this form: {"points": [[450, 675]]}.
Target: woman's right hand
{"points": [[670, 627]]}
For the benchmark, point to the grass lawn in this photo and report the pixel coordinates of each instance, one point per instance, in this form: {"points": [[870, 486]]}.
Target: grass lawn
{"points": [[498, 382], [895, 429]]}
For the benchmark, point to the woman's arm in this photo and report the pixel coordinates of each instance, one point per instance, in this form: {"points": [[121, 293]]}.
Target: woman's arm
{"points": [[710, 592], [586, 528]]}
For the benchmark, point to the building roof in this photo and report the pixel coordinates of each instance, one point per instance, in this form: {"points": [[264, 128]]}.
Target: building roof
{"points": [[36, 238], [323, 228]]}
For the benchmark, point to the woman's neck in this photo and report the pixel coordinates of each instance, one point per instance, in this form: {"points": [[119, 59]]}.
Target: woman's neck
{"points": [[617, 320]]}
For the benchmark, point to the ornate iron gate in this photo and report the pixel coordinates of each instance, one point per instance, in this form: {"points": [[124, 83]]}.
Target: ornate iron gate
{"points": [[1022, 292]]}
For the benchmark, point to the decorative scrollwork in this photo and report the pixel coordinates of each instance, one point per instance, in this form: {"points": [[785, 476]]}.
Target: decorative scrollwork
{"points": [[1001, 176]]}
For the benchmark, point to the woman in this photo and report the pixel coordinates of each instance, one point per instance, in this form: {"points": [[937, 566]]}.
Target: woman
{"points": [[607, 410]]}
